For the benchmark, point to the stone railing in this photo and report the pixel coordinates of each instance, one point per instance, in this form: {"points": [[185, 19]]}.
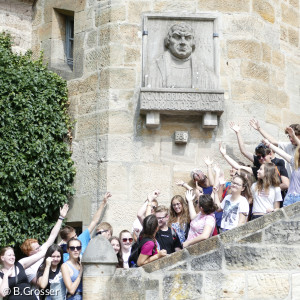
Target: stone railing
{"points": [[259, 260]]}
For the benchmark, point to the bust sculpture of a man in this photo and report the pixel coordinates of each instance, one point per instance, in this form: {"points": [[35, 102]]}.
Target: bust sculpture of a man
{"points": [[176, 67]]}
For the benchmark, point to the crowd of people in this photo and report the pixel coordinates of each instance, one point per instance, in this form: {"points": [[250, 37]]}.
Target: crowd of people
{"points": [[212, 206]]}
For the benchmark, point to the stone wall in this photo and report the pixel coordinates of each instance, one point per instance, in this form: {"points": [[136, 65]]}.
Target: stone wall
{"points": [[16, 19], [259, 260], [113, 150]]}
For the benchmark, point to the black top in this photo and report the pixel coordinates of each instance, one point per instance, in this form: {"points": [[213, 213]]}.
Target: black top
{"points": [[52, 275], [276, 161], [20, 288], [167, 240]]}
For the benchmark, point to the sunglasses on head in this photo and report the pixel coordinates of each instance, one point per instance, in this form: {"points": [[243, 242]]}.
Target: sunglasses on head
{"points": [[125, 240], [100, 232], [72, 248]]}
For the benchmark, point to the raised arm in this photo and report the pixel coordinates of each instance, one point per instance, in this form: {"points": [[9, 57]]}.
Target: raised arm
{"points": [[190, 197], [71, 286], [255, 124], [4, 287], [279, 151], [215, 193], [145, 209], [183, 184], [292, 134], [44, 279], [231, 161], [236, 128], [26, 262], [210, 174], [98, 213], [54, 232]]}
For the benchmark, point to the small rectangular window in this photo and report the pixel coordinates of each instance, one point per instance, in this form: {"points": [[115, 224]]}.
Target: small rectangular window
{"points": [[69, 40]]}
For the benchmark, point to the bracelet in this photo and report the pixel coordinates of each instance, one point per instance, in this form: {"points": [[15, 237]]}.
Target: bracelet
{"points": [[61, 218]]}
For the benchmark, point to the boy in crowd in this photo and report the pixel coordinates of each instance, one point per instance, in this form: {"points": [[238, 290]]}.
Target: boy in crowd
{"points": [[31, 246], [166, 237], [69, 232], [105, 229]]}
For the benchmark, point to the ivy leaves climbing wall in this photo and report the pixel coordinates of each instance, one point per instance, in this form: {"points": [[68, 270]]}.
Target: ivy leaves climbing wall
{"points": [[36, 170]]}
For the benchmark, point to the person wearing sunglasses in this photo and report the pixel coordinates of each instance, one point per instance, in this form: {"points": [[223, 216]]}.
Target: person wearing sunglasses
{"points": [[105, 229], [72, 270], [126, 243], [69, 232]]}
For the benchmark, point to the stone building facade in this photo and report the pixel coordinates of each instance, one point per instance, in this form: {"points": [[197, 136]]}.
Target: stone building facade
{"points": [[258, 69]]}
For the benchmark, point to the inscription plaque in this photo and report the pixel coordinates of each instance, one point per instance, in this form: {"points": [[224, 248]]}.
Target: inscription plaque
{"points": [[180, 70]]}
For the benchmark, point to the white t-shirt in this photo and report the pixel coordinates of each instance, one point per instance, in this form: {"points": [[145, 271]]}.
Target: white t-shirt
{"points": [[289, 148], [262, 201], [125, 257], [32, 270], [232, 210]]}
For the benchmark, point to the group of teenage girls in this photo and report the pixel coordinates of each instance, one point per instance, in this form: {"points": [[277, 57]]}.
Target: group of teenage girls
{"points": [[211, 206], [214, 206]]}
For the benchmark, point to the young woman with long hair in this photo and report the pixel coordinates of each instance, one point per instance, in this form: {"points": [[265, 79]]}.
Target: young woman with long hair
{"points": [[13, 277], [235, 206], [202, 224], [72, 270], [149, 250], [49, 277], [293, 193], [179, 218], [116, 244], [266, 191]]}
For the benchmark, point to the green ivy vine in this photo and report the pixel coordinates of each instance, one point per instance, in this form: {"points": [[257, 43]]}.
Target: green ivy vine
{"points": [[36, 170]]}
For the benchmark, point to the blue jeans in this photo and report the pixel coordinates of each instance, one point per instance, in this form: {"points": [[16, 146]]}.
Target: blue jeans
{"points": [[290, 199]]}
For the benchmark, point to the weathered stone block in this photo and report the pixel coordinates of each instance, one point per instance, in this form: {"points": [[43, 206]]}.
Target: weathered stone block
{"points": [[118, 78], [110, 14], [135, 10], [162, 263], [268, 286], [233, 286], [278, 59], [284, 33], [181, 137], [78, 87], [175, 5], [251, 227], [224, 5], [289, 15], [267, 54], [284, 232], [244, 49], [210, 244], [125, 34], [255, 71], [293, 37], [211, 261], [120, 122], [265, 9], [295, 285], [182, 286], [253, 238], [261, 258], [132, 55]]}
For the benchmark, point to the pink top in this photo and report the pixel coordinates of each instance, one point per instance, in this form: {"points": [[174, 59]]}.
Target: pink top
{"points": [[198, 224], [147, 248]]}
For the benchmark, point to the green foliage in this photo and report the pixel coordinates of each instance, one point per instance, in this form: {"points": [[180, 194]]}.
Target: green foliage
{"points": [[36, 170]]}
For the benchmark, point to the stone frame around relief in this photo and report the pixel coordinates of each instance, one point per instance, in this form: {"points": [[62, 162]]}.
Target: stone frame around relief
{"points": [[156, 100]]}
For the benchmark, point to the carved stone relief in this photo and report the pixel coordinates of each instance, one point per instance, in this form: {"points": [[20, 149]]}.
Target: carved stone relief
{"points": [[180, 70]]}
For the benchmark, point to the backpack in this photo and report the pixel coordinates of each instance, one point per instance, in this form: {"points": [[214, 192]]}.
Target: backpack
{"points": [[136, 250]]}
